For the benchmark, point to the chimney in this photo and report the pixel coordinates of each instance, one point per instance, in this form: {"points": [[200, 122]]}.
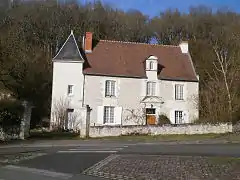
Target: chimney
{"points": [[184, 47], [88, 42]]}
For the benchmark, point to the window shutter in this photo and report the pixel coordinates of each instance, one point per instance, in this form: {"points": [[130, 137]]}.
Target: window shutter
{"points": [[143, 88], [100, 112], [102, 88], [176, 92], [172, 116], [117, 87], [185, 117], [118, 115]]}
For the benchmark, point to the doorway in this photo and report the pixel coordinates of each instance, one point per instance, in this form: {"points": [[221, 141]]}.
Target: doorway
{"points": [[69, 120], [151, 116]]}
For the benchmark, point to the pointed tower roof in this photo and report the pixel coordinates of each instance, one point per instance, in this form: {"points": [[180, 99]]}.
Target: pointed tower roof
{"points": [[69, 51]]}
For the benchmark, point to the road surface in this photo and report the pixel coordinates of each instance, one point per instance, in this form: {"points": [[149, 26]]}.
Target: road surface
{"points": [[100, 160]]}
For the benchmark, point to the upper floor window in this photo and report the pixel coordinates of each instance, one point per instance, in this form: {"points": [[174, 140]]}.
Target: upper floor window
{"points": [[150, 65], [70, 90], [179, 92], [108, 116], [110, 88], [151, 88]]}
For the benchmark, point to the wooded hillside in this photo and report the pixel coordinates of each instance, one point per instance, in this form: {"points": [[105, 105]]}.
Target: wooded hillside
{"points": [[31, 32]]}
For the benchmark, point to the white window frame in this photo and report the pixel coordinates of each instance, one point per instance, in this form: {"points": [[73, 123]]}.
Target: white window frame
{"points": [[70, 89], [151, 88], [108, 115], [179, 91], [178, 116], [110, 88]]}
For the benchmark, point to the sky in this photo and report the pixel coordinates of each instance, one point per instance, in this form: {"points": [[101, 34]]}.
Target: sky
{"points": [[153, 7]]}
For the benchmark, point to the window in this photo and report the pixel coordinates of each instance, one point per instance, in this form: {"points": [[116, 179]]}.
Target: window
{"points": [[151, 88], [70, 89], [108, 116], [179, 92], [150, 111], [110, 88], [178, 117], [150, 65]]}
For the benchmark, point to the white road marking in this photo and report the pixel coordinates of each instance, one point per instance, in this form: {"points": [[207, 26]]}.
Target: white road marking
{"points": [[40, 172], [100, 149], [82, 151], [100, 164], [93, 149], [42, 145]]}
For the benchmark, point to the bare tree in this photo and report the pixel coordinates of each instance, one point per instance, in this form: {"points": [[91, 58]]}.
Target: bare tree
{"points": [[138, 116], [59, 113], [226, 69], [60, 116], [76, 122]]}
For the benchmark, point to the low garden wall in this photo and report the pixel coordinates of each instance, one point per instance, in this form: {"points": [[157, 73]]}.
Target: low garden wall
{"points": [[103, 131], [11, 135]]}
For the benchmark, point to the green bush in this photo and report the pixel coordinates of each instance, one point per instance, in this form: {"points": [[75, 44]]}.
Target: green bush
{"points": [[163, 119], [11, 113]]}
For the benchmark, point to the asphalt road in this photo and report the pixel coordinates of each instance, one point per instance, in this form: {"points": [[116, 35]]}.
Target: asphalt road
{"points": [[69, 162]]}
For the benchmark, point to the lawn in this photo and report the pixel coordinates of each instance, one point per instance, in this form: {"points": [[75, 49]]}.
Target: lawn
{"points": [[175, 137], [39, 135]]}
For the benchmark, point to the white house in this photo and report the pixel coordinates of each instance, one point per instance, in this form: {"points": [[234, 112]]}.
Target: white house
{"points": [[123, 83]]}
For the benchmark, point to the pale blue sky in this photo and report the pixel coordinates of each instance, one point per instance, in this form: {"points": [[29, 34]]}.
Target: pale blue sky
{"points": [[153, 7]]}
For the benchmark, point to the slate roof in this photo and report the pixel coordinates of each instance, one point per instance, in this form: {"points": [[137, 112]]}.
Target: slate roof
{"points": [[69, 51], [116, 58]]}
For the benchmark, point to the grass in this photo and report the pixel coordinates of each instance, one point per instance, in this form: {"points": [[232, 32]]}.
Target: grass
{"points": [[44, 135], [53, 135], [224, 160], [36, 135]]}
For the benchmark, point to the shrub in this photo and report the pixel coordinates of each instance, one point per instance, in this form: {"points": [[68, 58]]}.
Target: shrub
{"points": [[163, 119], [11, 113]]}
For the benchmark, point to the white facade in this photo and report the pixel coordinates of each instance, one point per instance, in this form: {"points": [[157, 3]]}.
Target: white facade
{"points": [[129, 95], [115, 100]]}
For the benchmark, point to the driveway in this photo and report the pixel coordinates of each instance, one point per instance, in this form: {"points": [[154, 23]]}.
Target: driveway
{"points": [[92, 160]]}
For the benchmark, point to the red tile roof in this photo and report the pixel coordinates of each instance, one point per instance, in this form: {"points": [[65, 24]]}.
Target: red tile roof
{"points": [[114, 58]]}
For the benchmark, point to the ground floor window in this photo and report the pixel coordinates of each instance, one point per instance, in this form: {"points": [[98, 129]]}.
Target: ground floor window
{"points": [[150, 111], [108, 116], [178, 117]]}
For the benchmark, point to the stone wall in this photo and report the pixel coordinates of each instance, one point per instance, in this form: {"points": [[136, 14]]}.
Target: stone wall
{"points": [[236, 128], [12, 135], [103, 131]]}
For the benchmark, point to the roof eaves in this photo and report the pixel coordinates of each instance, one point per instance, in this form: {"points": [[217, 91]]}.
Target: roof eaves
{"points": [[191, 61], [178, 79], [127, 42], [66, 61], [115, 75]]}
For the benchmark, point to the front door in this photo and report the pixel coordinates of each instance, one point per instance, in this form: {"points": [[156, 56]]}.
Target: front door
{"points": [[151, 116], [69, 119]]}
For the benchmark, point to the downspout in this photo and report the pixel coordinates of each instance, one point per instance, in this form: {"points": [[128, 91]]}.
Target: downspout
{"points": [[83, 100]]}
